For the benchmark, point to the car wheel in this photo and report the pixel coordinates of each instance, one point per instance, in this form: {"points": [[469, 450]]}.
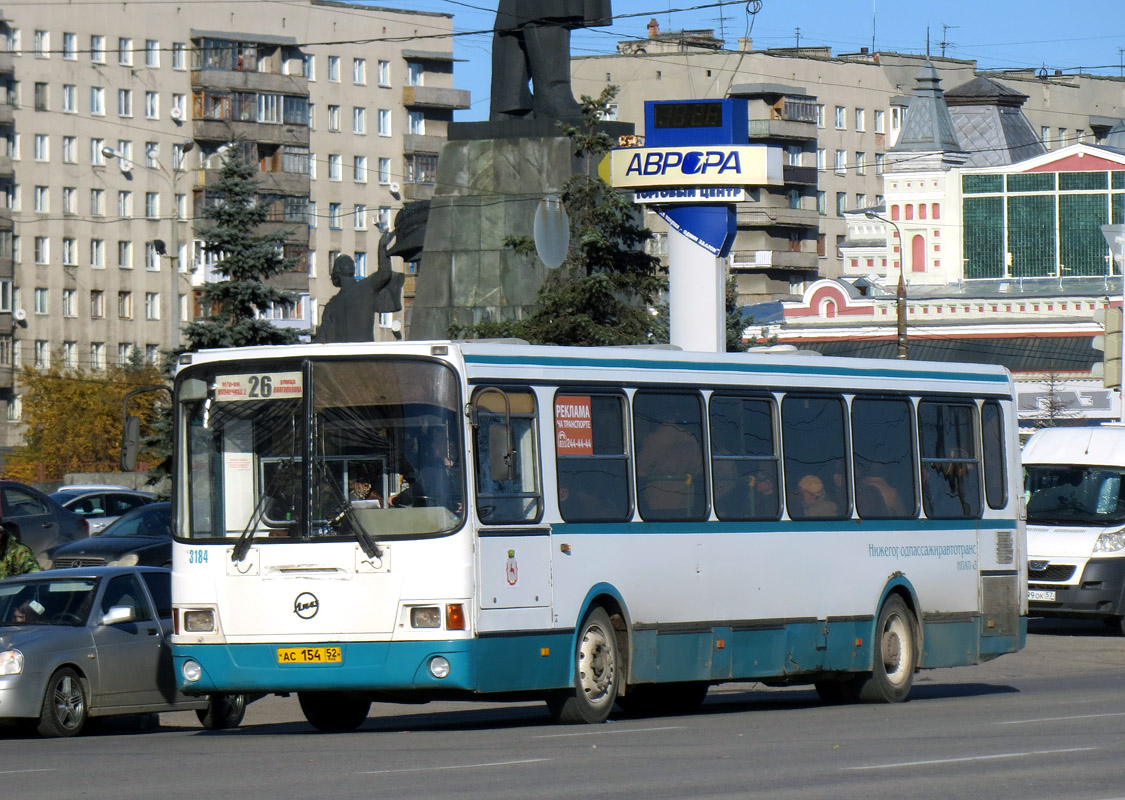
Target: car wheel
{"points": [[223, 711], [65, 708]]}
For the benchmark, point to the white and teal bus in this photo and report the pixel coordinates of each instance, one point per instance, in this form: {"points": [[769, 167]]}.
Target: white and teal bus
{"points": [[419, 520]]}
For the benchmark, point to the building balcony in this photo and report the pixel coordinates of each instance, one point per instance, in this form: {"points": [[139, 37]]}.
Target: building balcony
{"points": [[222, 130], [757, 217], [773, 259], [7, 63], [782, 129], [7, 114], [291, 282], [417, 143], [7, 168], [249, 81], [7, 272], [417, 191], [804, 176], [434, 97]]}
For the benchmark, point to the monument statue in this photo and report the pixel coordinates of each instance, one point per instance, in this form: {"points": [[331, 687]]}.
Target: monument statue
{"points": [[350, 315], [531, 42]]}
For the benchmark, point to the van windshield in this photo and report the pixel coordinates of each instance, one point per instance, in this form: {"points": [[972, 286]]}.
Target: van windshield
{"points": [[1068, 494]]}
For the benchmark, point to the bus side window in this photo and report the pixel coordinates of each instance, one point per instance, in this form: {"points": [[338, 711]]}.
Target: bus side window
{"points": [[515, 497], [883, 458], [592, 460], [992, 447], [950, 470], [668, 437], [744, 468], [816, 481]]}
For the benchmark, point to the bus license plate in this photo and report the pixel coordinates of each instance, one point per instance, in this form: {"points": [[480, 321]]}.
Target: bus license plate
{"points": [[309, 655], [1041, 594]]}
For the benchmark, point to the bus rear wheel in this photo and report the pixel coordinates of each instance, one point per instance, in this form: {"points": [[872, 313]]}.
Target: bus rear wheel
{"points": [[333, 712], [895, 657], [596, 674]]}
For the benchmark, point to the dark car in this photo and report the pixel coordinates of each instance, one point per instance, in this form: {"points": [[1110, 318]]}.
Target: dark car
{"points": [[37, 520], [100, 505], [93, 642], [142, 536]]}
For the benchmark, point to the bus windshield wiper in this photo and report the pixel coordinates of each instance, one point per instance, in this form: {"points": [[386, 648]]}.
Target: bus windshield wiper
{"points": [[366, 543], [242, 546]]}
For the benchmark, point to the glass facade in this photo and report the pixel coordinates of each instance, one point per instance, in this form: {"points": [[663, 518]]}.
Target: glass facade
{"points": [[1039, 224]]}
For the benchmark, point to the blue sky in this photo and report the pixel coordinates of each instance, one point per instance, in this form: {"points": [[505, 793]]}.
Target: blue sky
{"points": [[999, 34]]}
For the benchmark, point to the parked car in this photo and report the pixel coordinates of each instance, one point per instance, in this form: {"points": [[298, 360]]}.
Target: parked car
{"points": [[37, 520], [92, 642], [142, 536], [98, 504]]}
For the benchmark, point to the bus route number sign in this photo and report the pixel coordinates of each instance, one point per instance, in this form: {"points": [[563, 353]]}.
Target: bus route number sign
{"points": [[259, 386]]}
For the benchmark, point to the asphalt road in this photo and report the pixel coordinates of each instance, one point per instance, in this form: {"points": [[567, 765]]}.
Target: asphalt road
{"points": [[1044, 723]]}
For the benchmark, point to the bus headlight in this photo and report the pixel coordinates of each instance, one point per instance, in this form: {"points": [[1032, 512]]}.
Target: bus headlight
{"points": [[11, 662], [439, 667], [192, 671], [425, 617], [1110, 543], [199, 621]]}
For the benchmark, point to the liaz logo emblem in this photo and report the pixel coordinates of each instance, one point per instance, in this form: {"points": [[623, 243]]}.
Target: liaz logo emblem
{"points": [[306, 605]]}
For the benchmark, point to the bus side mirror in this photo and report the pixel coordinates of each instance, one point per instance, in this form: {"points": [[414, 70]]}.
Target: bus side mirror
{"points": [[130, 443], [499, 456]]}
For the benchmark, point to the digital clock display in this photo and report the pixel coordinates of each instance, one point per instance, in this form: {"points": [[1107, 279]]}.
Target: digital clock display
{"points": [[688, 115]]}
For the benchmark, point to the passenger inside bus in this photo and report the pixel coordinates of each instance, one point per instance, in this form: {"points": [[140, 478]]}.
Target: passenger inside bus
{"points": [[437, 481], [814, 502], [666, 472]]}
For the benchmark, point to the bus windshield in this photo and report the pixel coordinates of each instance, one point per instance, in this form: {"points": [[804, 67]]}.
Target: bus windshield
{"points": [[368, 449], [1069, 494]]}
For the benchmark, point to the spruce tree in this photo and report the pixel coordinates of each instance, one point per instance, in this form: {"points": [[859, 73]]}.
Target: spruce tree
{"points": [[605, 291]]}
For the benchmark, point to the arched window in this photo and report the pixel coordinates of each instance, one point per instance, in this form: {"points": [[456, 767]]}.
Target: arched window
{"points": [[894, 213], [828, 309], [909, 209], [936, 209], [918, 254], [921, 211]]}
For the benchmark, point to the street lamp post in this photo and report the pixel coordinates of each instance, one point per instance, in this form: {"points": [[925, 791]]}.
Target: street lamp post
{"points": [[900, 301], [1115, 238], [173, 178]]}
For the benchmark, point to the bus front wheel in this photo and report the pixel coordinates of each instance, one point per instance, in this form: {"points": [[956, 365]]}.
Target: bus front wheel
{"points": [[895, 657], [597, 674], [333, 712]]}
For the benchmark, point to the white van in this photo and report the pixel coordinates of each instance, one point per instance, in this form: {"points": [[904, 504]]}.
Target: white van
{"points": [[1076, 522]]}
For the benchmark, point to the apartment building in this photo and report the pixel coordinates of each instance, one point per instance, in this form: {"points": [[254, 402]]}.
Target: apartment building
{"points": [[838, 115], [113, 127]]}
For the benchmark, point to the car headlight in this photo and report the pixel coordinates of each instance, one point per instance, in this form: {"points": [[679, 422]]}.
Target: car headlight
{"points": [[1110, 543], [11, 662], [128, 560]]}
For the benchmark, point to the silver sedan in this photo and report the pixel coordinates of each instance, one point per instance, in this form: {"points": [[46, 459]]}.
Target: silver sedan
{"points": [[90, 642]]}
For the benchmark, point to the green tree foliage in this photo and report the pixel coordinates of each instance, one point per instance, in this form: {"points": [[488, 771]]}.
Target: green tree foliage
{"points": [[248, 259], [605, 290], [735, 323], [73, 419]]}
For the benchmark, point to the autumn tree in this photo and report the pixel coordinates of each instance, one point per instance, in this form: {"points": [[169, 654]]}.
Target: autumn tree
{"points": [[605, 291], [72, 419]]}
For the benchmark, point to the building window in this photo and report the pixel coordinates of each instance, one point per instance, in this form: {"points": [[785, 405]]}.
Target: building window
{"points": [[860, 119], [880, 163], [97, 49], [415, 74], [97, 355], [97, 303], [360, 217], [880, 121], [310, 67], [334, 162], [898, 115], [70, 98], [360, 259], [841, 203], [841, 118], [416, 122], [68, 302], [384, 122], [384, 73], [334, 69], [841, 161], [97, 202], [42, 44], [821, 203], [125, 204], [70, 354], [124, 353], [42, 147], [334, 216], [70, 46], [359, 120], [152, 53], [333, 118], [69, 150], [42, 100], [269, 107], [125, 52], [1045, 136], [124, 102], [360, 169], [179, 106], [152, 258], [384, 217], [152, 205], [312, 214], [152, 105], [359, 71], [97, 254], [152, 354], [42, 250], [42, 354], [821, 159], [421, 168], [125, 255], [125, 305], [860, 163], [97, 157], [42, 296], [179, 56], [861, 200], [69, 200], [42, 199], [152, 305]]}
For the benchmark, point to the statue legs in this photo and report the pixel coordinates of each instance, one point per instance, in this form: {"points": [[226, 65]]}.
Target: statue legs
{"points": [[539, 54]]}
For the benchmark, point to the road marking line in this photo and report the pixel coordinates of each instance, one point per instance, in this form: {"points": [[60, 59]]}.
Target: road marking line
{"points": [[18, 771], [1062, 719], [972, 758], [606, 732], [457, 766]]}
